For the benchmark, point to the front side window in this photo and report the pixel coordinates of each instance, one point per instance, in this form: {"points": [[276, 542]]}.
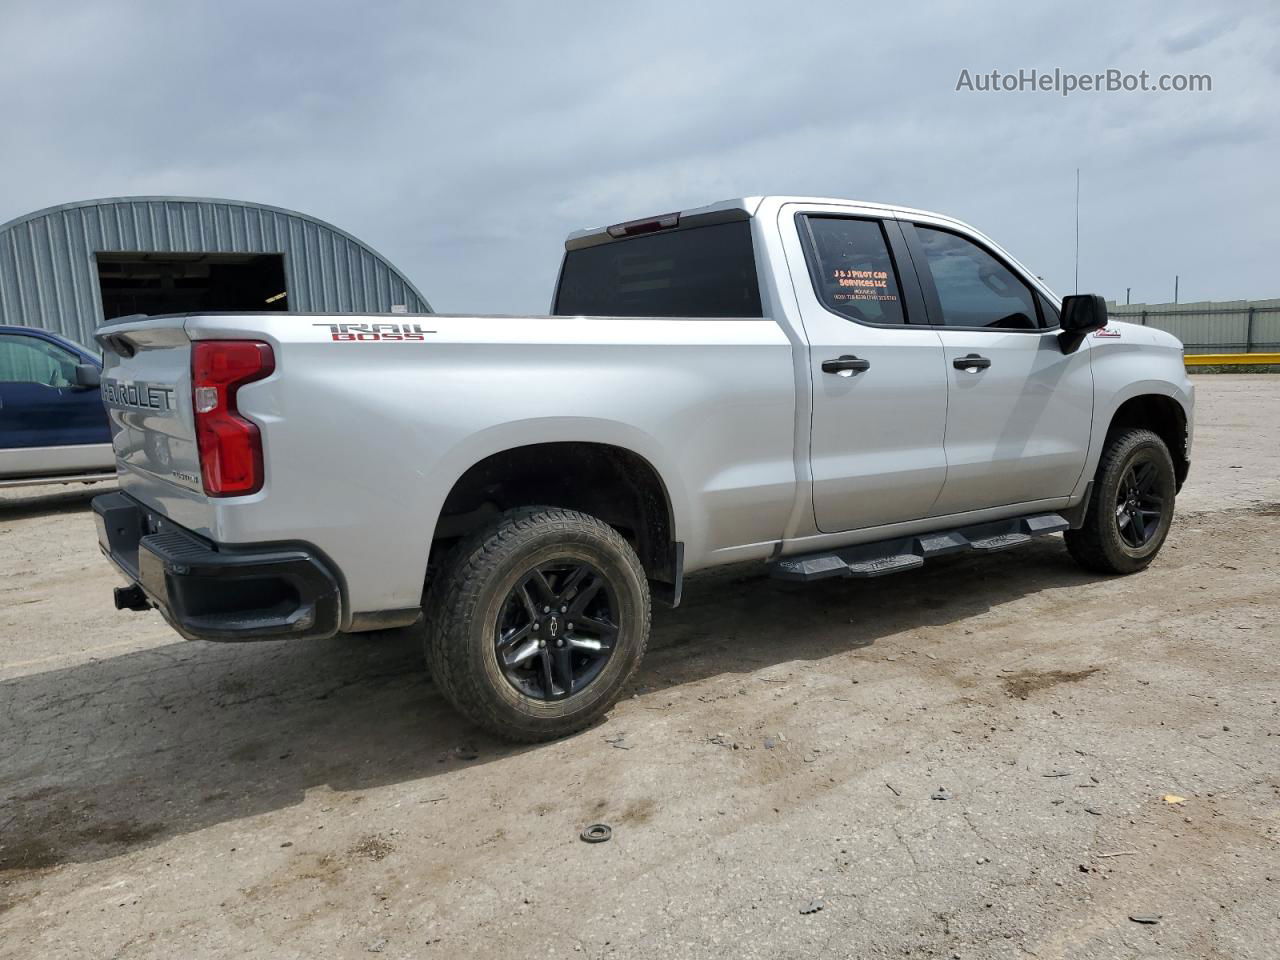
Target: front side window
{"points": [[852, 270], [976, 289], [32, 360]]}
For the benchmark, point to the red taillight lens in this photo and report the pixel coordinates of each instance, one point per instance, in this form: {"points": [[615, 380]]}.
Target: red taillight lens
{"points": [[230, 446]]}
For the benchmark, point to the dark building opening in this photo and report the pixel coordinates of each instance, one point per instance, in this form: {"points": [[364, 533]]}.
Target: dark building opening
{"points": [[155, 283]]}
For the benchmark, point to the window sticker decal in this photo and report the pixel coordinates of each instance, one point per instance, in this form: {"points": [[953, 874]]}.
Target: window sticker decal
{"points": [[863, 285], [852, 269]]}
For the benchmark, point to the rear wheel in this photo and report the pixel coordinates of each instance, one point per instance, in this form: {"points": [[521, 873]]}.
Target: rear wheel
{"points": [[536, 623], [1130, 507]]}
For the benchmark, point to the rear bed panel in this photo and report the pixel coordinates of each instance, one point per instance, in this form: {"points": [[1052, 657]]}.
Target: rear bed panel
{"points": [[363, 435]]}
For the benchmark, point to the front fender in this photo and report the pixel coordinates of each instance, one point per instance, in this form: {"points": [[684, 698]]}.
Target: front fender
{"points": [[1140, 362]]}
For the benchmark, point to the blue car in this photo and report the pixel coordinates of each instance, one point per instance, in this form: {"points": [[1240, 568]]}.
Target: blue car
{"points": [[53, 428]]}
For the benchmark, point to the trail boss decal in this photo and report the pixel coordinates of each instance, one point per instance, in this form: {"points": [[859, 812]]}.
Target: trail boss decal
{"points": [[137, 396], [352, 332], [1106, 332]]}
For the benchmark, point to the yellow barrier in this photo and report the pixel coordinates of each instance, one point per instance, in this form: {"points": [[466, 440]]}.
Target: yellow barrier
{"points": [[1229, 359]]}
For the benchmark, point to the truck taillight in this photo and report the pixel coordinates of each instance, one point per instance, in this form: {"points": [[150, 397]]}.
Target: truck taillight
{"points": [[230, 446]]}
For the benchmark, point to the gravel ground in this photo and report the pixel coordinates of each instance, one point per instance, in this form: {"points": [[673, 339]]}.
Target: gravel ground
{"points": [[769, 779]]}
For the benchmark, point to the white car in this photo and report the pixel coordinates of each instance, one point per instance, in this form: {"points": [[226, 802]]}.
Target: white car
{"points": [[832, 388]]}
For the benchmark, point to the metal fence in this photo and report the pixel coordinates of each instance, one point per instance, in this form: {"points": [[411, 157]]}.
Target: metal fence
{"points": [[1225, 326]]}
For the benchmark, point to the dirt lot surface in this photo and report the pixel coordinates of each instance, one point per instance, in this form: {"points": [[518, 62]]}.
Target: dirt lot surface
{"points": [[769, 781]]}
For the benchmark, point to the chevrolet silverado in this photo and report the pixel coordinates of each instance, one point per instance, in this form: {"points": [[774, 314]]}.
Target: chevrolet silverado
{"points": [[835, 389]]}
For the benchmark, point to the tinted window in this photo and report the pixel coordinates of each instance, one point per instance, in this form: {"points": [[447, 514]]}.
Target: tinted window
{"points": [[975, 288], [1048, 312], [852, 271], [32, 360], [694, 272]]}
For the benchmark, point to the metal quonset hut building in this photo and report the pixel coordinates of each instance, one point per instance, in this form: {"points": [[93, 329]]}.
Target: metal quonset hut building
{"points": [[70, 267]]}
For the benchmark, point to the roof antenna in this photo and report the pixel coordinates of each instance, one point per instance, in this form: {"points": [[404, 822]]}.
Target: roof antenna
{"points": [[1077, 285]]}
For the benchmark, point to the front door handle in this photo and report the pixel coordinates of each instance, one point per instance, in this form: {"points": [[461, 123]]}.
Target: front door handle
{"points": [[971, 362], [845, 366]]}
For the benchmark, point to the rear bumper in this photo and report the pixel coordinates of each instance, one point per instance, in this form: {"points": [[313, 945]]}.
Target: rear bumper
{"points": [[212, 592]]}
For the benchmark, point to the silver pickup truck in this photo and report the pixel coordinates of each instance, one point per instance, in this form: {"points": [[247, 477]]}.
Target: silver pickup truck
{"points": [[832, 388]]}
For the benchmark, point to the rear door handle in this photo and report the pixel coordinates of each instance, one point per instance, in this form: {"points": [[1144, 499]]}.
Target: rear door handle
{"points": [[845, 366], [971, 362]]}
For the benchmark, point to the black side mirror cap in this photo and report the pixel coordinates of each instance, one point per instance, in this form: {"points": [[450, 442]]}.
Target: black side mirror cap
{"points": [[1081, 314], [88, 376]]}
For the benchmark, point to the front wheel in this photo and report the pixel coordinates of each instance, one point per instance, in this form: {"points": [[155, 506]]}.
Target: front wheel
{"points": [[1130, 507], [537, 622]]}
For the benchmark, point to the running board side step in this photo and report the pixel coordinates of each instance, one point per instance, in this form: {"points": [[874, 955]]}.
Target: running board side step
{"points": [[907, 553]]}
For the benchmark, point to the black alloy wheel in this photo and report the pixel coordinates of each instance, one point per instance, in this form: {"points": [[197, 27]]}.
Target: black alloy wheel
{"points": [[556, 629], [1139, 501]]}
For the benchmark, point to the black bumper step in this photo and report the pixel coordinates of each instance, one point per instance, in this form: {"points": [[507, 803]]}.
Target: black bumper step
{"points": [[907, 553], [211, 591]]}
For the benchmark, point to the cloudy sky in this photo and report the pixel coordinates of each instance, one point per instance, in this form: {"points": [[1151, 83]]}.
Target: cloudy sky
{"points": [[463, 141]]}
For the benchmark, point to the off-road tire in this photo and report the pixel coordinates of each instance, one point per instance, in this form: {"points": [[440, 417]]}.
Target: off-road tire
{"points": [[466, 597], [1098, 545]]}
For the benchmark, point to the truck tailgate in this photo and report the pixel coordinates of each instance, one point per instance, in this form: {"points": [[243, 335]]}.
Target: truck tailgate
{"points": [[146, 388]]}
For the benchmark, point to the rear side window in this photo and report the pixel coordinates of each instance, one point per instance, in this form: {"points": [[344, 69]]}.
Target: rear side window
{"points": [[976, 289], [852, 270], [695, 272]]}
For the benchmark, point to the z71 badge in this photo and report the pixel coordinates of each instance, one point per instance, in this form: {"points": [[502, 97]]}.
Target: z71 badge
{"points": [[352, 332]]}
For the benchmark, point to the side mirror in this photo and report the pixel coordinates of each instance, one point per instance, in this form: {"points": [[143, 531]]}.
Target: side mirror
{"points": [[1081, 315], [88, 376]]}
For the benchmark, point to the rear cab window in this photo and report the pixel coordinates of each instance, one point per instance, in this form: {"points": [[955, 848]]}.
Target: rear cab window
{"points": [[695, 271], [852, 269]]}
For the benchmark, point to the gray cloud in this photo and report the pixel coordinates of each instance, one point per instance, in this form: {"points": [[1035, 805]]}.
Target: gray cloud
{"points": [[464, 141]]}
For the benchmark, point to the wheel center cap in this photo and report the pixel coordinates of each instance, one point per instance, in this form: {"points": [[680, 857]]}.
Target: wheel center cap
{"points": [[553, 627]]}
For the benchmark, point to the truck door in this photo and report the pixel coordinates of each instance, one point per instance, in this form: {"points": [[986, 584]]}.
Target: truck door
{"points": [[1019, 409], [879, 386]]}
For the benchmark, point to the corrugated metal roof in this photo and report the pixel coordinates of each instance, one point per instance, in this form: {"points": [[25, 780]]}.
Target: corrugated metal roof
{"points": [[49, 277]]}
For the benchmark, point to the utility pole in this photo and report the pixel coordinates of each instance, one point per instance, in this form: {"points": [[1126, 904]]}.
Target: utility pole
{"points": [[1077, 283], [1126, 295], [1175, 288]]}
